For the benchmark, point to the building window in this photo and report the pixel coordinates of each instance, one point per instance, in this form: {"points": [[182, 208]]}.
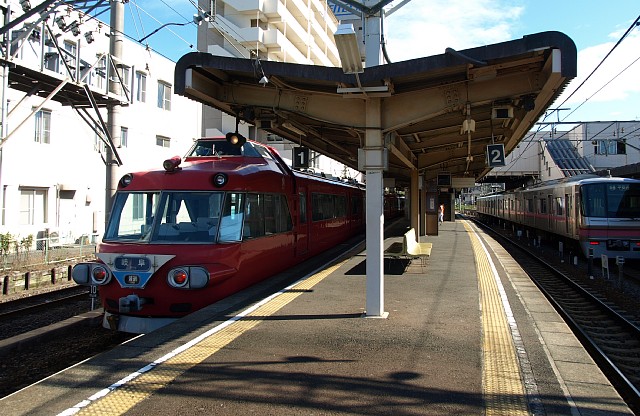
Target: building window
{"points": [[126, 79], [164, 95], [33, 206], [163, 141], [101, 73], [51, 57], [141, 87], [610, 147], [124, 136], [99, 144], [43, 126], [70, 55]]}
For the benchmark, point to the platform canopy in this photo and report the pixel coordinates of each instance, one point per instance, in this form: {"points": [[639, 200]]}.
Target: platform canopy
{"points": [[439, 113]]}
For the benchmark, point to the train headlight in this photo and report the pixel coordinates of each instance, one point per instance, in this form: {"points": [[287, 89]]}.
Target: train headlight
{"points": [[219, 180], [99, 275], [192, 277], [178, 278], [88, 274]]}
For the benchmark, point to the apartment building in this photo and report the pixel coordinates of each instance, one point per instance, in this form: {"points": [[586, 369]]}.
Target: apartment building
{"points": [[298, 31], [53, 154]]}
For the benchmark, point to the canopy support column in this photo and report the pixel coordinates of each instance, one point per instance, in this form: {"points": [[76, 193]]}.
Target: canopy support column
{"points": [[374, 155]]}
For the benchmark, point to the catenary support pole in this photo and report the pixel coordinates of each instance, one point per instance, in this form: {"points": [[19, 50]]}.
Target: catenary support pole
{"points": [[113, 110]]}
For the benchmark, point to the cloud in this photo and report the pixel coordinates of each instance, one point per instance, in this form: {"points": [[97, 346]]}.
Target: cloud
{"points": [[415, 30], [614, 82]]}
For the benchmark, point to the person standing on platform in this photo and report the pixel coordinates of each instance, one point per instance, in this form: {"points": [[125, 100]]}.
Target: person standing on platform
{"points": [[441, 214]]}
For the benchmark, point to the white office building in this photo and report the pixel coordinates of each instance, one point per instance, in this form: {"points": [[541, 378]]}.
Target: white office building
{"points": [[53, 158], [569, 149]]}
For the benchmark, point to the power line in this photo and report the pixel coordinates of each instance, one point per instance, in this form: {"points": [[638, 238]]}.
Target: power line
{"points": [[601, 88], [633, 25]]}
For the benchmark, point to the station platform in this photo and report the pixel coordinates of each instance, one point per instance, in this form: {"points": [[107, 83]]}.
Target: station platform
{"points": [[467, 333]]}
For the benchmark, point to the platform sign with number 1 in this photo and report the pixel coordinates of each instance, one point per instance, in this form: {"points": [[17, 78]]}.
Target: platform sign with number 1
{"points": [[495, 155], [300, 157]]}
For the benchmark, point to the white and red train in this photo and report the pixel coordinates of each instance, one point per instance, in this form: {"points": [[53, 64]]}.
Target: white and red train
{"points": [[600, 214], [204, 228]]}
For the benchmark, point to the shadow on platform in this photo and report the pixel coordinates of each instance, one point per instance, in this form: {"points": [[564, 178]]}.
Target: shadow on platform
{"points": [[391, 266]]}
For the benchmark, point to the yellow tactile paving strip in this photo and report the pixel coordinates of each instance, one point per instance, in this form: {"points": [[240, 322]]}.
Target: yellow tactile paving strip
{"points": [[503, 390], [124, 397]]}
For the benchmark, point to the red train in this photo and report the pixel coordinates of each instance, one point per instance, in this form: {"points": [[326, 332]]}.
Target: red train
{"points": [[196, 232]]}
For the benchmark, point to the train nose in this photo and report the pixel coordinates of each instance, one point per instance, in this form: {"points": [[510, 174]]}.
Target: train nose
{"points": [[131, 303]]}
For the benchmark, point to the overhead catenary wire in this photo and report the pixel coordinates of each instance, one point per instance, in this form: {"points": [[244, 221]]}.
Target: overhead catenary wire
{"points": [[135, 22], [633, 25], [601, 88], [532, 135]]}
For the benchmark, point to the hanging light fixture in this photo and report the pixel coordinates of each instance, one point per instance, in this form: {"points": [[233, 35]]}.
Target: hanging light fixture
{"points": [[61, 22], [26, 5]]}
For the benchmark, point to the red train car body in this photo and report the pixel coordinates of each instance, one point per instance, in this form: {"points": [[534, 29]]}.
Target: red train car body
{"points": [[223, 219]]}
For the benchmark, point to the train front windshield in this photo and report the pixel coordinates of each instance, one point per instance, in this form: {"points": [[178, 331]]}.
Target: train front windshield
{"points": [[166, 217], [611, 200]]}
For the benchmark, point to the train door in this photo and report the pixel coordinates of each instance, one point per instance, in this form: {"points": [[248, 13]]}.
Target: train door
{"points": [[550, 212], [302, 230], [567, 214]]}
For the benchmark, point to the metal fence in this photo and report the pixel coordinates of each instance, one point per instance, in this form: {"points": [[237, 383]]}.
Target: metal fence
{"points": [[42, 253]]}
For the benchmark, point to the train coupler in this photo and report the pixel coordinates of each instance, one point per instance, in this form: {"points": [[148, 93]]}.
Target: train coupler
{"points": [[113, 321], [131, 303]]}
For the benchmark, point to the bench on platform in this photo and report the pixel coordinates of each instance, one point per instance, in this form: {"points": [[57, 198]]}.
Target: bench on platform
{"points": [[410, 248]]}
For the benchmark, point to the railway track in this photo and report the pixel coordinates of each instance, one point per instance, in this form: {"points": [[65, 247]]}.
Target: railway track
{"points": [[43, 334], [39, 301], [611, 338], [38, 311]]}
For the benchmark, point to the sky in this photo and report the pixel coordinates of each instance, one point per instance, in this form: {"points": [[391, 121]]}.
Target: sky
{"points": [[422, 28]]}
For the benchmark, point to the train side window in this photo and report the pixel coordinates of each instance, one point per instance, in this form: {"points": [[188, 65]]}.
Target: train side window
{"points": [[283, 215], [356, 205], [254, 222], [269, 215], [232, 218], [303, 208], [529, 205], [559, 206]]}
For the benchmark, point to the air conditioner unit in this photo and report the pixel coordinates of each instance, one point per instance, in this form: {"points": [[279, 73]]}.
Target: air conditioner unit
{"points": [[502, 113]]}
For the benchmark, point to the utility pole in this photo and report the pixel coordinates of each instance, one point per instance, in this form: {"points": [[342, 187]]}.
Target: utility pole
{"points": [[113, 110], [4, 70]]}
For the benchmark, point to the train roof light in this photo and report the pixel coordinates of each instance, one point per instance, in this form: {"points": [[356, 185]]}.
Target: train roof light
{"points": [[219, 180], [236, 139], [172, 165], [126, 180]]}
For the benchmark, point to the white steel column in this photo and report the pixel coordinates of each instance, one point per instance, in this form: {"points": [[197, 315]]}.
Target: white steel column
{"points": [[374, 148], [375, 152], [414, 215]]}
